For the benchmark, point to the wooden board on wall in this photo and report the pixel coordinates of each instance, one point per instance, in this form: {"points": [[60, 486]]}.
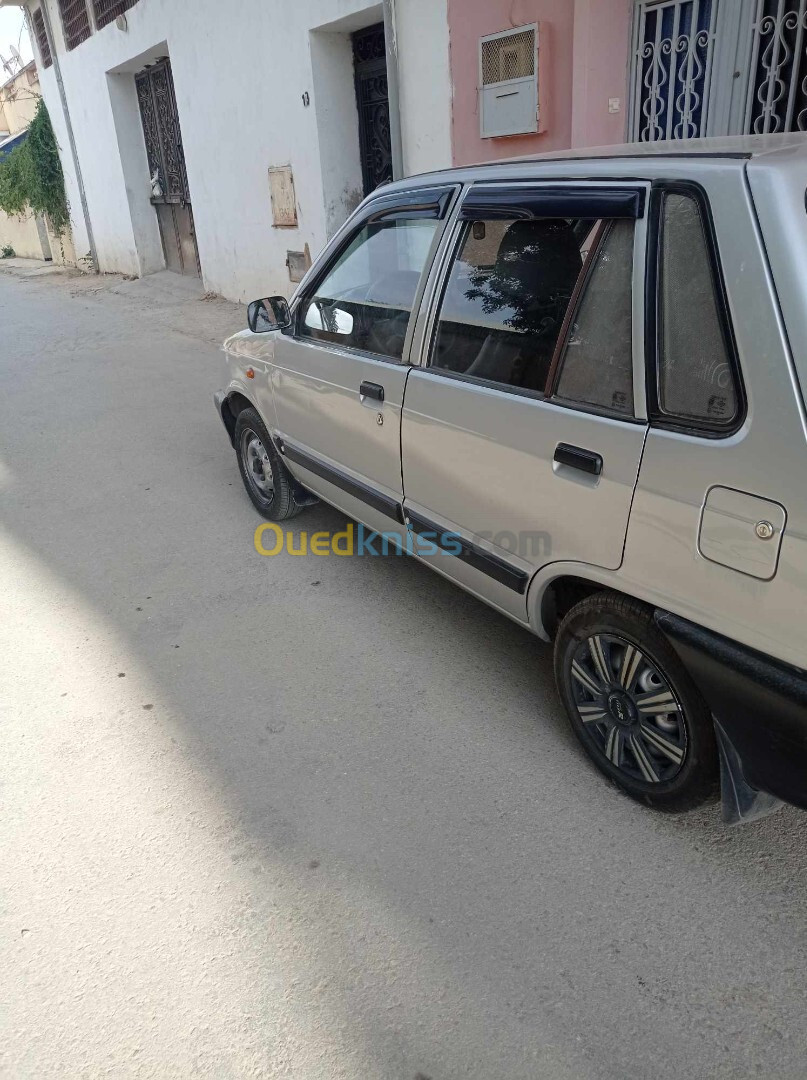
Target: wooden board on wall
{"points": [[284, 203]]}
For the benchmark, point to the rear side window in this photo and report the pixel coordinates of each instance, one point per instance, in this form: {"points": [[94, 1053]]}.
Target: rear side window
{"points": [[529, 297], [597, 366], [697, 381]]}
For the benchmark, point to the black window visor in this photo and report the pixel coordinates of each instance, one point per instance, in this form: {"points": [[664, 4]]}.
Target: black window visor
{"points": [[523, 203]]}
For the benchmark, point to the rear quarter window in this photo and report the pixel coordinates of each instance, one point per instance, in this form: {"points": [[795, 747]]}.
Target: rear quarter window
{"points": [[696, 379]]}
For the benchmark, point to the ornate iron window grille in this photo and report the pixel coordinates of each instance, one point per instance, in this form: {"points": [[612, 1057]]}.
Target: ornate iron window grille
{"points": [[777, 90], [718, 67], [105, 11], [41, 35], [673, 52], [75, 22]]}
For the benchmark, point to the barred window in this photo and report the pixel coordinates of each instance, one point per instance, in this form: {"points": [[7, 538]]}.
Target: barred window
{"points": [[75, 21], [41, 35], [107, 10]]}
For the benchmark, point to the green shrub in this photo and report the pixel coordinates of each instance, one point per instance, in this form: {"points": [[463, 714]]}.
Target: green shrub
{"points": [[31, 176]]}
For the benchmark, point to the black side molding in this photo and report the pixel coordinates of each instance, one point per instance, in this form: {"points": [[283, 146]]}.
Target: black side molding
{"points": [[377, 499], [760, 704], [578, 458], [474, 556]]}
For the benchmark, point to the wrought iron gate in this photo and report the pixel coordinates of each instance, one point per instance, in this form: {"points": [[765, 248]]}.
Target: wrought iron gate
{"points": [[372, 100], [169, 179], [718, 67]]}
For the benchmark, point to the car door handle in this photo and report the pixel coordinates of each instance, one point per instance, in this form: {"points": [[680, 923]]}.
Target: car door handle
{"points": [[372, 390], [578, 458]]}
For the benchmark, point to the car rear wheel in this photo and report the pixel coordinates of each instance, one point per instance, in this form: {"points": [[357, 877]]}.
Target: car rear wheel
{"points": [[632, 704], [269, 484]]}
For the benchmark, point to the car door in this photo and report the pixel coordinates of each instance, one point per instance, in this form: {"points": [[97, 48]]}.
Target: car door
{"points": [[339, 374], [523, 428]]}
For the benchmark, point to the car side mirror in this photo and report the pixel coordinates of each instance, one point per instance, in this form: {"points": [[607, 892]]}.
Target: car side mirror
{"points": [[272, 313]]}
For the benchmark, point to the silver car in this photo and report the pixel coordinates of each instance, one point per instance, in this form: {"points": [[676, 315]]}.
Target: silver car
{"points": [[573, 386]]}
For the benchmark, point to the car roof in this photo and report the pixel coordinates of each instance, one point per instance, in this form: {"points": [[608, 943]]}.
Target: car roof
{"points": [[741, 148], [745, 146]]}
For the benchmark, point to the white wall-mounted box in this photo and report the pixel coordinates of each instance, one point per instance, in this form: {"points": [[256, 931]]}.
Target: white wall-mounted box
{"points": [[508, 82]]}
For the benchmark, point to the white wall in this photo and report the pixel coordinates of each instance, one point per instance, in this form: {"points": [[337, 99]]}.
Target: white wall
{"points": [[240, 72], [19, 231], [425, 84]]}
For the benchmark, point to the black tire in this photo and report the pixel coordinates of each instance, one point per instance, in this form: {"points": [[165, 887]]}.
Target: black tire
{"points": [[268, 482], [641, 721]]}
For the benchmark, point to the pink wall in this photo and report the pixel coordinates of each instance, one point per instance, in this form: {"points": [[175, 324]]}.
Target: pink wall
{"points": [[582, 62], [602, 30]]}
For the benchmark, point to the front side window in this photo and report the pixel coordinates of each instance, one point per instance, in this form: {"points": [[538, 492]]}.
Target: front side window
{"points": [[365, 300], [696, 378]]}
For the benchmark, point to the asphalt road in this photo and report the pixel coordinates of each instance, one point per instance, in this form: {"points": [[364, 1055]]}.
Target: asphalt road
{"points": [[316, 817]]}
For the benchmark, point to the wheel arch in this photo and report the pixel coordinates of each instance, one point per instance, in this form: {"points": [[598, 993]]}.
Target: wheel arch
{"points": [[233, 404], [550, 598]]}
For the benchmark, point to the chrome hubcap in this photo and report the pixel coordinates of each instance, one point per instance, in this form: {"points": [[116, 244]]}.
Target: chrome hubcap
{"points": [[628, 709], [257, 464]]}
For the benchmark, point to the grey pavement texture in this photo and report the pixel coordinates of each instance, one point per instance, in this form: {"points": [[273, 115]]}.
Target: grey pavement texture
{"points": [[315, 817]]}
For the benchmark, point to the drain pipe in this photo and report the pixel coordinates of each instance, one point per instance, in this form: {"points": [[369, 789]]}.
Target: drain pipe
{"points": [[391, 41], [68, 124]]}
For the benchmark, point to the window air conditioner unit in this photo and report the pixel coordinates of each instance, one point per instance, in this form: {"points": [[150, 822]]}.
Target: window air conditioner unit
{"points": [[508, 80]]}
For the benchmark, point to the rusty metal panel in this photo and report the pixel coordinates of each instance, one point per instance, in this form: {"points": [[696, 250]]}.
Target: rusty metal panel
{"points": [[298, 263], [284, 202]]}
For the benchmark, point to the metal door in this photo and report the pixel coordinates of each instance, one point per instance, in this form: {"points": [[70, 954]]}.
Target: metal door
{"points": [[482, 462], [372, 101], [337, 392], [170, 194]]}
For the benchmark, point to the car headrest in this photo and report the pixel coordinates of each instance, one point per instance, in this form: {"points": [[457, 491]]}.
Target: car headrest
{"points": [[537, 254]]}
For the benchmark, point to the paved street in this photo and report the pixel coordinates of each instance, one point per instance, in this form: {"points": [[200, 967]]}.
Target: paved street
{"points": [[315, 817]]}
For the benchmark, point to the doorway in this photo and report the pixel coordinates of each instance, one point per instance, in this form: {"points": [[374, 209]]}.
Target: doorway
{"points": [[170, 194], [372, 101]]}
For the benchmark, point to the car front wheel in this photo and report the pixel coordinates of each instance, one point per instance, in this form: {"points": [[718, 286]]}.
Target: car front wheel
{"points": [[266, 478], [632, 704]]}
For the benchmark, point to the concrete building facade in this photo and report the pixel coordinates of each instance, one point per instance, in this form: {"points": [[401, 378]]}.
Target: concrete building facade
{"points": [[271, 88], [598, 72], [280, 117], [19, 96], [581, 72]]}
